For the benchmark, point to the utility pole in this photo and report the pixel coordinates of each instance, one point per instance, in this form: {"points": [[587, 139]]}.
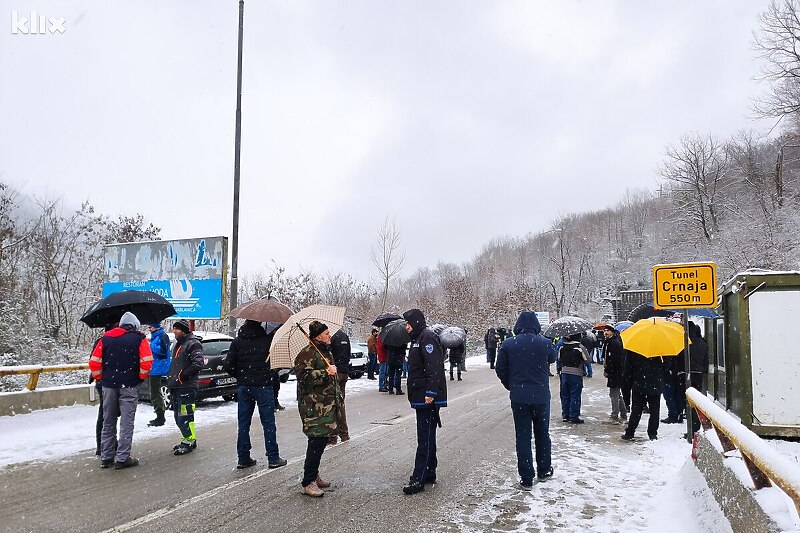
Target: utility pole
{"points": [[236, 174]]}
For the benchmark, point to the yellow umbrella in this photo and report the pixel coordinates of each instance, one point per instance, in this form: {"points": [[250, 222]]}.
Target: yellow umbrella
{"points": [[654, 337]]}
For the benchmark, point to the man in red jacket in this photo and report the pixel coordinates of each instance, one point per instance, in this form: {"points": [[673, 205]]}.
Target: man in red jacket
{"points": [[120, 361]]}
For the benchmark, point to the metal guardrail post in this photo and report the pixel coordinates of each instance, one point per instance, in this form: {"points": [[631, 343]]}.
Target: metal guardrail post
{"points": [[33, 379]]}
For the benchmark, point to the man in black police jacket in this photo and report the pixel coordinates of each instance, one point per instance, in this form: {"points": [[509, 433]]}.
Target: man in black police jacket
{"points": [[427, 392]]}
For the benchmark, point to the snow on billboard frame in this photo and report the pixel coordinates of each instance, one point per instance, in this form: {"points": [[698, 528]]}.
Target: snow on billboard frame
{"points": [[190, 273]]}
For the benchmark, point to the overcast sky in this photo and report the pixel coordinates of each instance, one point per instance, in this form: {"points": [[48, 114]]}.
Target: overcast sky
{"points": [[462, 120]]}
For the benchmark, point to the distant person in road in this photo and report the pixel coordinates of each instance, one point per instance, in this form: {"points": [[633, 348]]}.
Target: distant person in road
{"points": [[372, 353], [645, 374], [248, 362], [572, 357], [396, 356], [340, 348], [427, 393], [318, 403], [490, 340], [462, 366], [614, 371], [588, 340], [383, 364], [120, 361], [456, 358], [187, 362], [523, 364], [159, 345]]}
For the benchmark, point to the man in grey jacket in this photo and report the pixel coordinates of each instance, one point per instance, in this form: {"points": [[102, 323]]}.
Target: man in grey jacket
{"points": [[187, 362]]}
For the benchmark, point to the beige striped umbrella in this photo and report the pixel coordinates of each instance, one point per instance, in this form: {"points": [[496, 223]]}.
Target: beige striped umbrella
{"points": [[292, 336]]}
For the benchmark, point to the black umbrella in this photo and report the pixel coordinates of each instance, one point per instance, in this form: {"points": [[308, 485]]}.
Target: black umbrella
{"points": [[385, 318], [394, 333], [646, 310], [566, 326], [146, 305]]}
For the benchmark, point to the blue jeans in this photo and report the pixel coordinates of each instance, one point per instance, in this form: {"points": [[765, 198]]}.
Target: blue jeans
{"points": [[537, 416], [405, 368], [372, 364], [383, 369], [571, 387], [248, 397], [587, 369], [671, 398]]}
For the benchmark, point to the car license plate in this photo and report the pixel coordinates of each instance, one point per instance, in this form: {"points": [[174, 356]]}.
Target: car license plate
{"points": [[226, 381]]}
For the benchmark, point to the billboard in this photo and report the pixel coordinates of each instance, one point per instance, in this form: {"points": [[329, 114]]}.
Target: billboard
{"points": [[190, 273]]}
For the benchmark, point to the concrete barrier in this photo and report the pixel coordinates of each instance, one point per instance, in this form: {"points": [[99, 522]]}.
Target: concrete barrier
{"points": [[17, 403], [738, 502]]}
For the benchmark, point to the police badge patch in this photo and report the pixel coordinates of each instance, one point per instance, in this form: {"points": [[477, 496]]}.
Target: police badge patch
{"points": [[429, 348]]}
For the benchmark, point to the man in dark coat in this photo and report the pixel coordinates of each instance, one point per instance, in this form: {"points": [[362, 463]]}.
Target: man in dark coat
{"points": [[613, 346], [427, 393], [614, 370], [698, 361], [490, 340], [248, 362], [340, 348], [645, 375], [523, 366], [187, 362]]}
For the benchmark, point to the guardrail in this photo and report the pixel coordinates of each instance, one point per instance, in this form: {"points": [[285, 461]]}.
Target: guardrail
{"points": [[764, 463], [34, 371]]}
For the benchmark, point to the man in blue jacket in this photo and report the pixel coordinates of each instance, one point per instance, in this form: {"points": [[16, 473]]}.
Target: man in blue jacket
{"points": [[427, 393], [159, 345], [523, 366]]}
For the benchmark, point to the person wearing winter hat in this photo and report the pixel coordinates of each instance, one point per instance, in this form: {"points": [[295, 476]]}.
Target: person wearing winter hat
{"points": [[319, 402], [120, 361], [187, 362], [159, 345], [427, 393]]}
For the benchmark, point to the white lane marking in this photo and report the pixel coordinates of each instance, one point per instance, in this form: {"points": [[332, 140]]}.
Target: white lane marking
{"points": [[164, 511]]}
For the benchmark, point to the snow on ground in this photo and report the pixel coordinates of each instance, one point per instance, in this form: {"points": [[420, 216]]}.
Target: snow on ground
{"points": [[601, 483], [70, 430]]}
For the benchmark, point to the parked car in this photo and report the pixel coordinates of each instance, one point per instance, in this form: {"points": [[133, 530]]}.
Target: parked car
{"points": [[358, 359], [212, 381]]}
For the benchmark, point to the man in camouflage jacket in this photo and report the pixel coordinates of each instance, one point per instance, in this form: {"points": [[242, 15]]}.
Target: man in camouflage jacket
{"points": [[319, 402]]}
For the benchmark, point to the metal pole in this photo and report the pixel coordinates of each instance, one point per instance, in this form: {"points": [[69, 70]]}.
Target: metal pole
{"points": [[687, 365], [236, 168]]}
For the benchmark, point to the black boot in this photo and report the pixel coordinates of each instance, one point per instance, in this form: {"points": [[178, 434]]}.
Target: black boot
{"points": [[158, 420]]}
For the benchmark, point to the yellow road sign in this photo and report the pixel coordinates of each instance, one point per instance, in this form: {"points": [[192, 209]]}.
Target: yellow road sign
{"points": [[685, 286]]}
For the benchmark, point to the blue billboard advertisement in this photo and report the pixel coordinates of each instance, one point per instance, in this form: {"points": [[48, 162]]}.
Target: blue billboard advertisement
{"points": [[190, 273]]}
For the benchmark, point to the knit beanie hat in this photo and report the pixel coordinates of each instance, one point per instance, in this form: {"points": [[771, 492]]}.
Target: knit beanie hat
{"points": [[182, 325], [315, 328]]}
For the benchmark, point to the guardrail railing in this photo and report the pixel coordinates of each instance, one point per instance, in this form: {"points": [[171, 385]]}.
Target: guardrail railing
{"points": [[34, 371], [764, 463]]}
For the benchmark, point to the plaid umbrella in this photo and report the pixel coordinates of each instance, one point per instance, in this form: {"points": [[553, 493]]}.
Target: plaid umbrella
{"points": [[292, 336]]}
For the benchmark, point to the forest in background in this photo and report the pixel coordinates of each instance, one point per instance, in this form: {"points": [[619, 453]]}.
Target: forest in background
{"points": [[729, 200]]}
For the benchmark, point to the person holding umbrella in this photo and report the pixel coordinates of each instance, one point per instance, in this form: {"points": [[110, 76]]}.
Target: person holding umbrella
{"points": [[187, 362], [120, 361], [318, 402], [427, 393]]}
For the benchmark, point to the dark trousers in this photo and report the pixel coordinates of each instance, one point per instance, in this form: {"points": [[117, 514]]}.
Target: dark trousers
{"points": [[626, 395], [248, 397], [99, 425], [156, 398], [571, 388], [316, 445], [426, 462], [276, 389], [183, 406], [393, 378], [457, 366], [671, 399], [637, 406], [372, 365], [529, 416], [341, 420], [491, 354]]}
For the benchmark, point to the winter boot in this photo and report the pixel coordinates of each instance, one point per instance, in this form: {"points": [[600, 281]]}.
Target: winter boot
{"points": [[312, 490], [245, 463], [322, 483], [547, 475], [184, 447], [413, 487], [157, 421], [127, 463], [279, 463]]}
